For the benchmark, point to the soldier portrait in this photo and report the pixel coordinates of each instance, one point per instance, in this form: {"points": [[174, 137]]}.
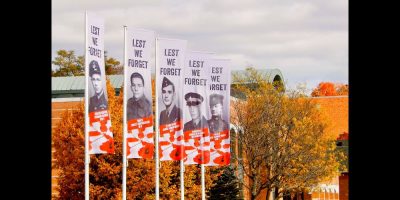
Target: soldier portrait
{"points": [[138, 105], [193, 102], [172, 113], [98, 101], [216, 123]]}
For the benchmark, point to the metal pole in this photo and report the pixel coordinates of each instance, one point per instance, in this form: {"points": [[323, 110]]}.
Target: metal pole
{"points": [[87, 157], [157, 130], [124, 122], [203, 183], [182, 179]]}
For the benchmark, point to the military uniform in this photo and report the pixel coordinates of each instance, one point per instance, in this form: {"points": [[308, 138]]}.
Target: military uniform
{"points": [[138, 109], [97, 104], [194, 99], [174, 115], [216, 124], [190, 125]]}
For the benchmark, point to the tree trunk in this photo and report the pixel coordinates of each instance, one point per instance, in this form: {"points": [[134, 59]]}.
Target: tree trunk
{"points": [[276, 193], [268, 194]]}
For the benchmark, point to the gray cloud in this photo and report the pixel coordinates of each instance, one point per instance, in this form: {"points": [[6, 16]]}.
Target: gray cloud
{"points": [[306, 40]]}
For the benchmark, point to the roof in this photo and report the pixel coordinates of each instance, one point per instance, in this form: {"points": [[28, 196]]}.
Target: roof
{"points": [[78, 82], [73, 86]]}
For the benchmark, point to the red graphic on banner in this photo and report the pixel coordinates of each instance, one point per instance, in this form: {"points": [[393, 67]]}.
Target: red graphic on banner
{"points": [[197, 145], [147, 151], [220, 148], [139, 139], [170, 141], [171, 128], [223, 159], [178, 153], [203, 157], [100, 135]]}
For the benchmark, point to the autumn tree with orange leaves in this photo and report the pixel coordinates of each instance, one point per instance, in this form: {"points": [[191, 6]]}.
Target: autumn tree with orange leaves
{"points": [[330, 89], [284, 139], [106, 169]]}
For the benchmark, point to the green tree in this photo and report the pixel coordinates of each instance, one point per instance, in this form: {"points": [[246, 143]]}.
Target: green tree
{"points": [[68, 64], [227, 185], [112, 65]]}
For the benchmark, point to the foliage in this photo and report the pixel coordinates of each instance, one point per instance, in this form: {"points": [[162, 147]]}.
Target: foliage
{"points": [[330, 89], [283, 138], [68, 64], [112, 65], [227, 185], [106, 169]]}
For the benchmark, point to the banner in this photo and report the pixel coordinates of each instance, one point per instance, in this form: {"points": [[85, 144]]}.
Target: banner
{"points": [[100, 136], [137, 81], [195, 128], [218, 95], [170, 56]]}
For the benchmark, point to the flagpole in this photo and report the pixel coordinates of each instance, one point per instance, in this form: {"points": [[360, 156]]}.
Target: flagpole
{"points": [[157, 129], [203, 183], [124, 164], [87, 157], [182, 179], [182, 166]]}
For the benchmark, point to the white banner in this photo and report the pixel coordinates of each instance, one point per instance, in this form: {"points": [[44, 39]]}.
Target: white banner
{"points": [[137, 81], [100, 136], [218, 95], [195, 128], [170, 55]]}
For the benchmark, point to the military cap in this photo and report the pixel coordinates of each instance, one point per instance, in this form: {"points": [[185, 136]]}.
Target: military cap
{"points": [[166, 82], [215, 99], [94, 68], [193, 99]]}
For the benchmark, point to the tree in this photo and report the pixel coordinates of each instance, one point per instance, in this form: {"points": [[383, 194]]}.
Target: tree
{"points": [[342, 89], [112, 65], [106, 169], [227, 185], [330, 89], [283, 138], [68, 64]]}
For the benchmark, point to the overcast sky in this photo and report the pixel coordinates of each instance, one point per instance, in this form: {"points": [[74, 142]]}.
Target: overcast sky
{"points": [[306, 39]]}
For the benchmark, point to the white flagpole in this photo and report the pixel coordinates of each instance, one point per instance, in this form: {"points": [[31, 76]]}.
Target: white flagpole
{"points": [[182, 179], [203, 183], [124, 164], [157, 129], [182, 166], [87, 157]]}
